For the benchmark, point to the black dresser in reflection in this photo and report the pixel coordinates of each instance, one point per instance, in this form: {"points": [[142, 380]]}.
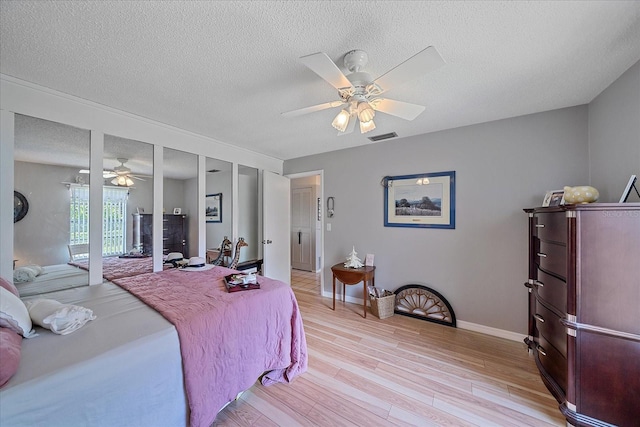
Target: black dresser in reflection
{"points": [[174, 233]]}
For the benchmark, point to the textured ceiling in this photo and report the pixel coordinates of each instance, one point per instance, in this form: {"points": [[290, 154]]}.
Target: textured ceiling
{"points": [[227, 69]]}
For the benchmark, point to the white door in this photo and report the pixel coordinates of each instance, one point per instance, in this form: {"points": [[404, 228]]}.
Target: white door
{"points": [[276, 220], [302, 225]]}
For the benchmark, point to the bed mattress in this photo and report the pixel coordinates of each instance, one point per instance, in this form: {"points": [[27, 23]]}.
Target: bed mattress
{"points": [[124, 368], [54, 278]]}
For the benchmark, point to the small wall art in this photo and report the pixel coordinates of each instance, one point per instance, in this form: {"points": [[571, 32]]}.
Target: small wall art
{"points": [[213, 207]]}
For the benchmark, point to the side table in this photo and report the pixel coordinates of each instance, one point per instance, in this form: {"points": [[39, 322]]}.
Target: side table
{"points": [[353, 276]]}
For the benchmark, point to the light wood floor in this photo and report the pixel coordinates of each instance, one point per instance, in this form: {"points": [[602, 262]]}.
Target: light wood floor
{"points": [[397, 371]]}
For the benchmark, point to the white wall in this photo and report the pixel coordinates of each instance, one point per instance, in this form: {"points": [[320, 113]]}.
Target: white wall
{"points": [[614, 136], [501, 167]]}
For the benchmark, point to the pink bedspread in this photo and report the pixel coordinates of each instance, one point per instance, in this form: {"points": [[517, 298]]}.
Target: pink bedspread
{"points": [[227, 340], [116, 268]]}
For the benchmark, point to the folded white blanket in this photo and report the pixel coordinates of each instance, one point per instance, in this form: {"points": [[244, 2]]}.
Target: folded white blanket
{"points": [[59, 318]]}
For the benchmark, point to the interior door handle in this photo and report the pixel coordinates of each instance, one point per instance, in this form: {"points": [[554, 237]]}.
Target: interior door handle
{"points": [[299, 237]]}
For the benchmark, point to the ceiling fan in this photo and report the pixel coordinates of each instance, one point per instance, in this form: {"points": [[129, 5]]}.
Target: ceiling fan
{"points": [[121, 174], [360, 94]]}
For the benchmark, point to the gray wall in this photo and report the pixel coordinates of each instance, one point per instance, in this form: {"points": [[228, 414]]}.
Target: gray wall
{"points": [[219, 182], [43, 235], [614, 136], [501, 167]]}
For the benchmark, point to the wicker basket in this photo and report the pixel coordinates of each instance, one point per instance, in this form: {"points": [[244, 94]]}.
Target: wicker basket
{"points": [[383, 307]]}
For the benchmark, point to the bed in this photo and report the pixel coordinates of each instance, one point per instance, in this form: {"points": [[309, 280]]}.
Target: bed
{"points": [[115, 267], [135, 366], [54, 278]]}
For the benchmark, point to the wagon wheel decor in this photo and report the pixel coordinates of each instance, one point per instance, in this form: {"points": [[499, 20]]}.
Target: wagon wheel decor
{"points": [[424, 303]]}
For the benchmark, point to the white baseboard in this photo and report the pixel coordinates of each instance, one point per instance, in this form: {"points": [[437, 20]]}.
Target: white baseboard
{"points": [[488, 330]]}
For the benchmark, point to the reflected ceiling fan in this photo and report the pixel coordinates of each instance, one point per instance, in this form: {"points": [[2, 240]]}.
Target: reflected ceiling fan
{"points": [[121, 174], [360, 95]]}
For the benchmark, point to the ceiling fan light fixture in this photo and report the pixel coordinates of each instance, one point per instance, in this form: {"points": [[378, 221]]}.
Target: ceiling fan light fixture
{"points": [[365, 112], [367, 126], [123, 181], [341, 121]]}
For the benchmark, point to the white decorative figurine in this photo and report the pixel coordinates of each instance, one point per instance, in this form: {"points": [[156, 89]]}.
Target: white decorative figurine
{"points": [[352, 260]]}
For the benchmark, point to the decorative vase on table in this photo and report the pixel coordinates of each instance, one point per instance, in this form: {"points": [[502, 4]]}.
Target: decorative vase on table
{"points": [[580, 194]]}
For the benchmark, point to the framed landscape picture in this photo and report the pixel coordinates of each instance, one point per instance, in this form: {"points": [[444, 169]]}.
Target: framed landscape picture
{"points": [[422, 200], [214, 207]]}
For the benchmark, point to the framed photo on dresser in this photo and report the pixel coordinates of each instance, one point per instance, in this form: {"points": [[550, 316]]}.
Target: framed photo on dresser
{"points": [[553, 198]]}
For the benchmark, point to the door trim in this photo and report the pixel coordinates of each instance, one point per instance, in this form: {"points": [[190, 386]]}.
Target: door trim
{"points": [[322, 222]]}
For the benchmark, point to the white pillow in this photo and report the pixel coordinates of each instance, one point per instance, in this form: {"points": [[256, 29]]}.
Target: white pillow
{"points": [[14, 314], [24, 274]]}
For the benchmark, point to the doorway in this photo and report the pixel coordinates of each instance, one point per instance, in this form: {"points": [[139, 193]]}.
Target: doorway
{"points": [[306, 231]]}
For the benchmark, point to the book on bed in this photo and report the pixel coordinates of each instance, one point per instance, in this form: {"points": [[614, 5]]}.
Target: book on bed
{"points": [[241, 282]]}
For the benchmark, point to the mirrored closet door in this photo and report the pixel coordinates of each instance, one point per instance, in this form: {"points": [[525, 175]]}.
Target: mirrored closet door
{"points": [[51, 205], [249, 213], [127, 207], [180, 203], [218, 212]]}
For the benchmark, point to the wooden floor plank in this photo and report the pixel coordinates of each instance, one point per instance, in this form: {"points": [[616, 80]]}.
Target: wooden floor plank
{"points": [[397, 371]]}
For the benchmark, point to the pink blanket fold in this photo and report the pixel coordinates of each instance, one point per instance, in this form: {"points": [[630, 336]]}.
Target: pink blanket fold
{"points": [[116, 268], [227, 340]]}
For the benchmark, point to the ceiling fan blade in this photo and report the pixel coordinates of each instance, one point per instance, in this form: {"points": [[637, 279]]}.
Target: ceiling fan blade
{"points": [[137, 177], [421, 63], [322, 65], [404, 110], [350, 126], [313, 108]]}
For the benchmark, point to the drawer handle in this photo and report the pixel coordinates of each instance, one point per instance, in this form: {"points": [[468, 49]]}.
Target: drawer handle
{"points": [[538, 283], [541, 350], [541, 255], [539, 225], [539, 318]]}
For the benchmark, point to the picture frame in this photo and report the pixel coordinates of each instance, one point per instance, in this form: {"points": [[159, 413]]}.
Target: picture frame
{"points": [[177, 211], [426, 200], [553, 198], [368, 260], [627, 190], [213, 207]]}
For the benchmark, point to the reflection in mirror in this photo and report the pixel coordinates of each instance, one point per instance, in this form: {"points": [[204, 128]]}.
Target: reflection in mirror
{"points": [[248, 209], [180, 201], [52, 238], [127, 207], [218, 211]]}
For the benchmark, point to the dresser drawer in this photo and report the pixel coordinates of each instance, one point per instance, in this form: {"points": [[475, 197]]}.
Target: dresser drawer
{"points": [[552, 290], [549, 326], [554, 363], [551, 227], [552, 258]]}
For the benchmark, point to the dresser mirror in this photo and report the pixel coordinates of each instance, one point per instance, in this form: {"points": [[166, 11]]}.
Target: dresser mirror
{"points": [[218, 220], [49, 164], [249, 213], [180, 202]]}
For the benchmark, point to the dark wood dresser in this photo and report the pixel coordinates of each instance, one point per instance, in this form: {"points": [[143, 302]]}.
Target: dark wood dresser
{"points": [[584, 309], [174, 233]]}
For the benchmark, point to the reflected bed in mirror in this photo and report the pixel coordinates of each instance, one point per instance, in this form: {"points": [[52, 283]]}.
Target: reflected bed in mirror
{"points": [[47, 159]]}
